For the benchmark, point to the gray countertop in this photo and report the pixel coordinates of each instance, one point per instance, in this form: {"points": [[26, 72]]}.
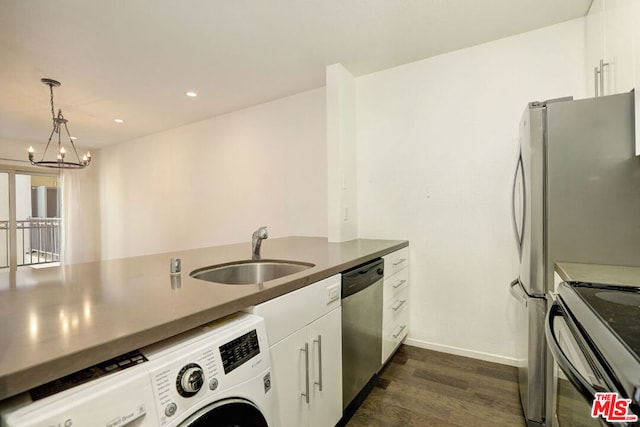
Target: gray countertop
{"points": [[610, 274], [58, 320]]}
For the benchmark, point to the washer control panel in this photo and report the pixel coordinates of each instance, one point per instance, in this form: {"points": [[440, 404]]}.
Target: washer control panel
{"points": [[237, 351]]}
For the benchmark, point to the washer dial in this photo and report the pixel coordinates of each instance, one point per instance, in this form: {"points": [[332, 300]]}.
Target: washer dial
{"points": [[190, 380]]}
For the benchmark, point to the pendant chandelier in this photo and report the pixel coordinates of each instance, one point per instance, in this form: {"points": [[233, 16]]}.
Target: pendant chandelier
{"points": [[60, 161]]}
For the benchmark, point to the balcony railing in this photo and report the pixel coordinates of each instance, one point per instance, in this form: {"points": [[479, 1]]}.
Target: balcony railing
{"points": [[37, 240]]}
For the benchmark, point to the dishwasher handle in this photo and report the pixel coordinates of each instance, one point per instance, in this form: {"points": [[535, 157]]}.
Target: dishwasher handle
{"points": [[361, 277]]}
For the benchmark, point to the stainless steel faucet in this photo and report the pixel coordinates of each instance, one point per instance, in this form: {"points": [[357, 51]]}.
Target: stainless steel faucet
{"points": [[258, 236]]}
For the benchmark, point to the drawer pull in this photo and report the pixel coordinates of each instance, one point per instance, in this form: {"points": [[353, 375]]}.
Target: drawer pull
{"points": [[398, 262], [305, 349], [401, 328], [399, 283], [319, 382], [398, 304]]}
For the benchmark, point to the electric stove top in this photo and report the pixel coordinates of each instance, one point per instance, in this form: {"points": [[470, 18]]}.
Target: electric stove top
{"points": [[619, 309], [609, 315]]}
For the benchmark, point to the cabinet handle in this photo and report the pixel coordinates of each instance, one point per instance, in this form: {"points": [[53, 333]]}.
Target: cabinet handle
{"points": [[399, 283], [598, 78], [400, 261], [402, 328], [398, 304], [306, 365], [319, 382]]}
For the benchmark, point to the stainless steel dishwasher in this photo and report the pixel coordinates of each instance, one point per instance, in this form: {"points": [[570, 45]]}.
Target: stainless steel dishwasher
{"points": [[361, 330]]}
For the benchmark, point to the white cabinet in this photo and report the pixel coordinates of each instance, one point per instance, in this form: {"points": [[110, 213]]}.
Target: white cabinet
{"points": [[395, 312], [595, 46], [305, 337], [613, 50], [610, 46]]}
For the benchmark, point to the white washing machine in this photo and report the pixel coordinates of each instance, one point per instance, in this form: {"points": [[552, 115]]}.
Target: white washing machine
{"points": [[216, 375]]}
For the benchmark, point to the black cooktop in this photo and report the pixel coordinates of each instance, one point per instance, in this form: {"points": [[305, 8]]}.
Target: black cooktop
{"points": [[618, 306]]}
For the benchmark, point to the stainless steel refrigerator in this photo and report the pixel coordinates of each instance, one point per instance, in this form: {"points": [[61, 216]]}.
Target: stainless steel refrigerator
{"points": [[576, 198]]}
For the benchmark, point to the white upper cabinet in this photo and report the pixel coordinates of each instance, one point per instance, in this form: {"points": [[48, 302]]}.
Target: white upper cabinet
{"points": [[619, 40], [595, 46], [610, 46], [613, 50]]}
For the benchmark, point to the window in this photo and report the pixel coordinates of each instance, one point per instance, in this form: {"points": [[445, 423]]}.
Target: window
{"points": [[30, 218]]}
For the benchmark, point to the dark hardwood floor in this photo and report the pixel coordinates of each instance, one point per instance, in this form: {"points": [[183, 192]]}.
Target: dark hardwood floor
{"points": [[421, 387]]}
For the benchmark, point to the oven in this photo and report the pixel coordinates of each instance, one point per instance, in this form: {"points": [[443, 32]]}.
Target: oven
{"points": [[593, 334]]}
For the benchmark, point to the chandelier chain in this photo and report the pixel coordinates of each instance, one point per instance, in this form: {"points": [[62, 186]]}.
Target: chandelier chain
{"points": [[53, 114]]}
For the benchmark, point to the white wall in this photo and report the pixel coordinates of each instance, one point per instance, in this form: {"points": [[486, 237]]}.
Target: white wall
{"points": [[437, 144], [216, 181], [342, 200]]}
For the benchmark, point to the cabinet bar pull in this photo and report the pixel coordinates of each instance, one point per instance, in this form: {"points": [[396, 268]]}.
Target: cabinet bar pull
{"points": [[319, 382], [602, 65], [402, 328], [399, 283], [400, 261], [306, 364], [398, 304], [598, 78]]}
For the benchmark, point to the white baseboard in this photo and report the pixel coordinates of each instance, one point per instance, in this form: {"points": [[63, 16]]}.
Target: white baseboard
{"points": [[488, 357]]}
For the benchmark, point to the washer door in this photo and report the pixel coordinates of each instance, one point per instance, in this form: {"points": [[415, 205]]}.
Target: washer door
{"points": [[227, 413]]}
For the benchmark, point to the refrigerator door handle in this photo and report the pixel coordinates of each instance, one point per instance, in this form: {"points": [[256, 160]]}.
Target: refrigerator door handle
{"points": [[519, 292], [519, 228], [576, 378]]}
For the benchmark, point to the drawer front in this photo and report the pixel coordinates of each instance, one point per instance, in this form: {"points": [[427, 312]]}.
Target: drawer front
{"points": [[395, 308], [395, 284], [395, 261], [394, 333], [290, 312]]}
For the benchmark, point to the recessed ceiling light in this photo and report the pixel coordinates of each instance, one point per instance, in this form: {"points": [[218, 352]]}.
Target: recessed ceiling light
{"points": [[73, 138], [191, 94], [118, 120]]}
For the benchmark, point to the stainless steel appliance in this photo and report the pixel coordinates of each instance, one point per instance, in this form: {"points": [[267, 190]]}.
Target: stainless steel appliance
{"points": [[361, 329], [576, 198], [593, 331]]}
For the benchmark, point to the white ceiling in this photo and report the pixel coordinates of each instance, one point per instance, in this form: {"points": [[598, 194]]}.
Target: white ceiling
{"points": [[135, 59]]}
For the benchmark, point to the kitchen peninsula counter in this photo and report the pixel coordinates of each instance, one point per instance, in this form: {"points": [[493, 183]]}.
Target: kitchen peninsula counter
{"points": [[596, 273], [58, 320]]}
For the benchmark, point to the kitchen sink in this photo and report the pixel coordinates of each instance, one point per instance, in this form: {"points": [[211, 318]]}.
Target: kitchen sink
{"points": [[249, 272]]}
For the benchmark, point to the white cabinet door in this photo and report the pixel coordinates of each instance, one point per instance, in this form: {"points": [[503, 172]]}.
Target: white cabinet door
{"points": [[613, 37], [288, 365], [619, 45], [307, 374], [304, 328], [595, 44], [610, 39], [326, 369]]}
